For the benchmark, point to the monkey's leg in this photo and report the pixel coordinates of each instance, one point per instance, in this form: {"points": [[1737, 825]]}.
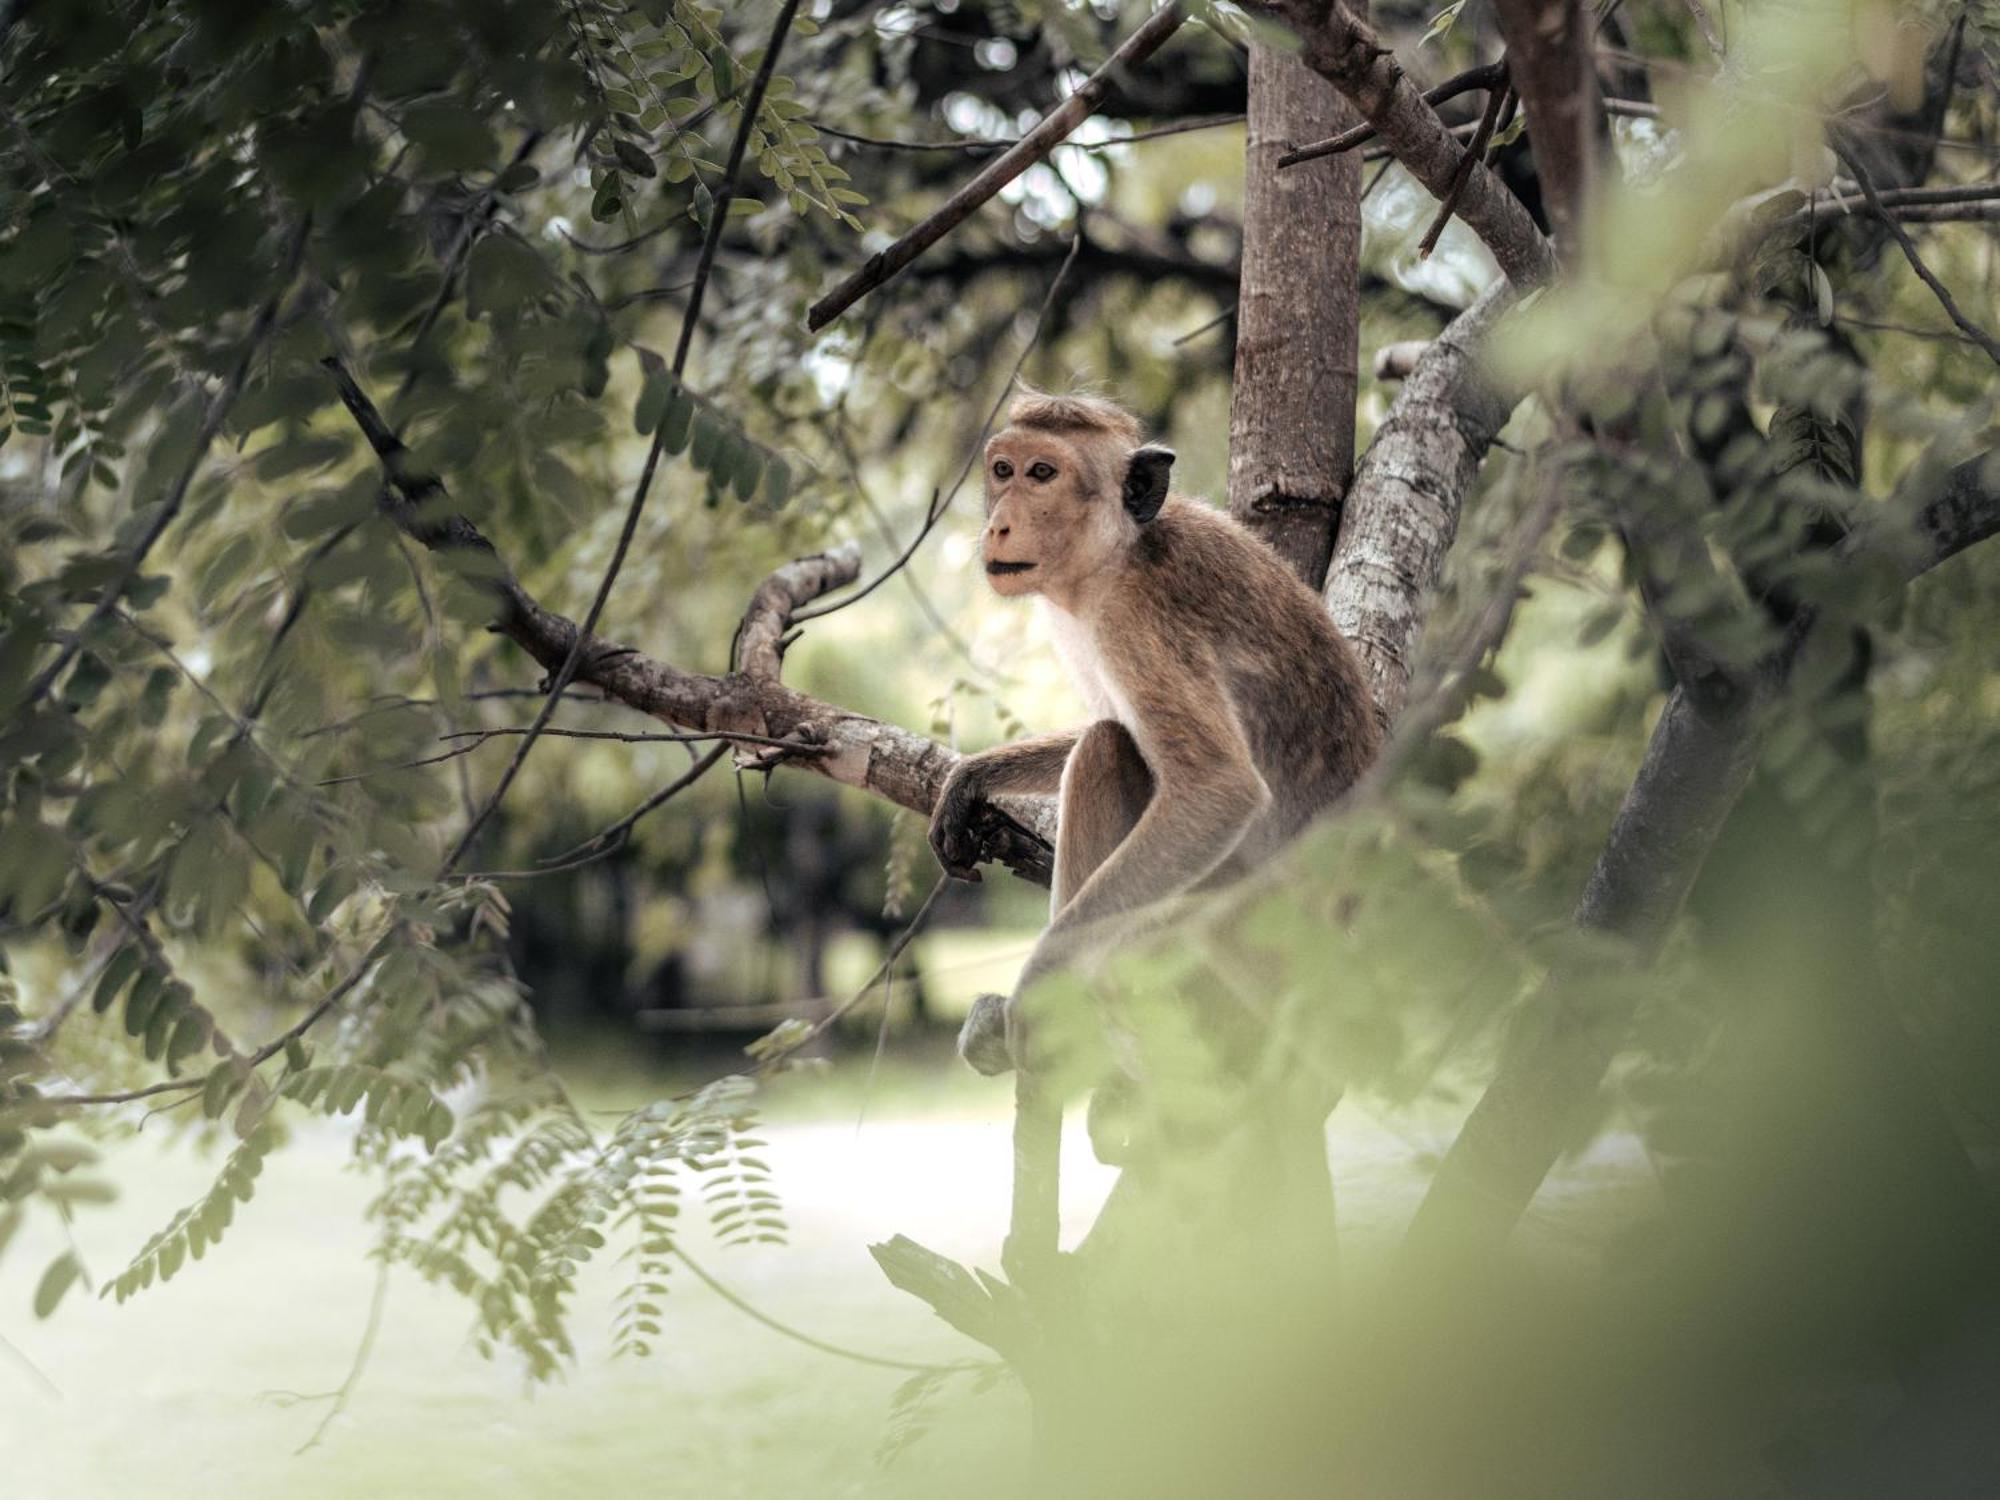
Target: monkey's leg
{"points": [[1105, 787]]}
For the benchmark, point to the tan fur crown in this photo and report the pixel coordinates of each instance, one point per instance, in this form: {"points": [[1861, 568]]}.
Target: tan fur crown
{"points": [[1075, 414]]}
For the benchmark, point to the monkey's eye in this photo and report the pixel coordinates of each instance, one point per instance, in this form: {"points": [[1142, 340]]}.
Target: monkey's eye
{"points": [[1042, 472], [1002, 469]]}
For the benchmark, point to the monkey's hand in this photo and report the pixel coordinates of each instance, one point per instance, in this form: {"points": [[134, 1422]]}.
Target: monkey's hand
{"points": [[953, 839], [983, 1040]]}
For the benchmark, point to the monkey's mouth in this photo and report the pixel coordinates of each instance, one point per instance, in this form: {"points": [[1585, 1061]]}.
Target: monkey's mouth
{"points": [[999, 569]]}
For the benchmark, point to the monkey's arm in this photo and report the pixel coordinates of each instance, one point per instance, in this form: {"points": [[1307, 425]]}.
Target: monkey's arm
{"points": [[1030, 765]]}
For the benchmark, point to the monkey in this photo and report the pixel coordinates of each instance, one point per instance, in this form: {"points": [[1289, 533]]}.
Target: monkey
{"points": [[1229, 711]]}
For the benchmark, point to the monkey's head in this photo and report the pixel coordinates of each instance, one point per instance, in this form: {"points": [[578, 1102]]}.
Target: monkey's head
{"points": [[1068, 487]]}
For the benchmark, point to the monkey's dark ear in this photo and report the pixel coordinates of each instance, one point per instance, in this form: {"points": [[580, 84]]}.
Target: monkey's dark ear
{"points": [[1146, 482]]}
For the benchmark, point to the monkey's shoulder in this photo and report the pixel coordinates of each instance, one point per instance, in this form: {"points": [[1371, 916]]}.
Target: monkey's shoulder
{"points": [[1217, 577]]}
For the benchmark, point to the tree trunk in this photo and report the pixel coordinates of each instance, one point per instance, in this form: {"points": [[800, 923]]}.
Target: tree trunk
{"points": [[1291, 422]]}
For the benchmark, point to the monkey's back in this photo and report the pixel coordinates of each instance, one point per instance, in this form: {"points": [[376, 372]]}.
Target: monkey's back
{"points": [[1299, 691]]}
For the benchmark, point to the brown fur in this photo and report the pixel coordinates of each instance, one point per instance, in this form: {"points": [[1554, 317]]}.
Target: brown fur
{"points": [[1238, 712]]}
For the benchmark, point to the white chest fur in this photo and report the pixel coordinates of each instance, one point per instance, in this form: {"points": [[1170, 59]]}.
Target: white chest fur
{"points": [[1076, 645]]}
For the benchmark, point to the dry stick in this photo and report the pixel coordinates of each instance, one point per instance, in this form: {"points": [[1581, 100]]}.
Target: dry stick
{"points": [[941, 499], [733, 736], [1033, 147], [751, 1311], [718, 217], [219, 406], [478, 737], [1966, 326], [1002, 143], [1498, 101], [606, 840], [1488, 76], [1213, 323]]}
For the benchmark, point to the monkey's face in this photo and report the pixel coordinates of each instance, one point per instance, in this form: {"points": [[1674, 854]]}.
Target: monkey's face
{"points": [[1052, 513]]}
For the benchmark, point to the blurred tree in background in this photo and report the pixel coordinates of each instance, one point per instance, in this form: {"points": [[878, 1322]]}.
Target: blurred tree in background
{"points": [[366, 369]]}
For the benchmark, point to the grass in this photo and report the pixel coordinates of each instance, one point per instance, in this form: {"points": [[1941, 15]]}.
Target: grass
{"points": [[191, 1389]]}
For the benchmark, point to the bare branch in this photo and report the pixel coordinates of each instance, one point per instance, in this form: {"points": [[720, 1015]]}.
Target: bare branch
{"points": [[718, 216], [1499, 109], [1965, 325], [1345, 50], [857, 751], [1033, 147], [1696, 766], [975, 146], [1549, 59], [1486, 76], [1402, 511]]}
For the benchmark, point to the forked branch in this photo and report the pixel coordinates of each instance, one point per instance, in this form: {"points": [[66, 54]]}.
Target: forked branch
{"points": [[852, 749]]}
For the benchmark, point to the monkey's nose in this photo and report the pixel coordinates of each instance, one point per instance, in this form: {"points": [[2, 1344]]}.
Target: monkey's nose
{"points": [[998, 532]]}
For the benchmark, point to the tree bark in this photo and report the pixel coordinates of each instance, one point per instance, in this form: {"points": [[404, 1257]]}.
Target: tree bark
{"points": [[1291, 421], [1344, 50], [853, 749], [1696, 767], [1549, 60], [1402, 510]]}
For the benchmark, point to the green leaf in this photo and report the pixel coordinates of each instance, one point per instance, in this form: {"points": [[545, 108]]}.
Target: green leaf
{"points": [[220, 1087], [501, 275], [144, 999], [338, 885], [1442, 22], [117, 974], [660, 389], [56, 1280], [191, 1034], [748, 471], [675, 421], [777, 482]]}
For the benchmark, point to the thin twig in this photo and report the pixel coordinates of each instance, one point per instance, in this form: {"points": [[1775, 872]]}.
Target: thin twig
{"points": [[1033, 147], [339, 1398], [1213, 323], [1939, 290], [1488, 76], [477, 737], [826, 1022], [607, 839], [263, 1054], [1002, 143], [941, 499], [468, 234], [750, 1310], [752, 107], [1498, 101]]}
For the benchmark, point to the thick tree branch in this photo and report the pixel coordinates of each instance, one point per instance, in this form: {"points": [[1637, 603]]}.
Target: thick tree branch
{"points": [[1291, 422], [1345, 50], [1402, 511], [1965, 512], [1549, 44], [849, 748], [1033, 147], [1696, 766], [1487, 76]]}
